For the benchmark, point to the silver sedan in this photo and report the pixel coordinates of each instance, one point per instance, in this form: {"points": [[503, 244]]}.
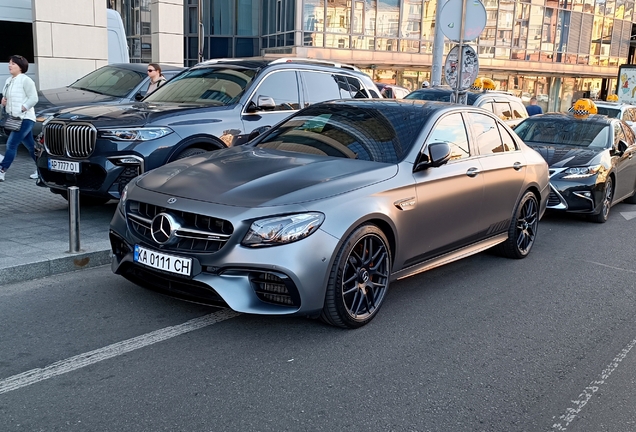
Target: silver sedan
{"points": [[319, 214]]}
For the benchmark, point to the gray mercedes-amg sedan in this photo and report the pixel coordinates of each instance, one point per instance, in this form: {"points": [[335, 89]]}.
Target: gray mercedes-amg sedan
{"points": [[318, 215]]}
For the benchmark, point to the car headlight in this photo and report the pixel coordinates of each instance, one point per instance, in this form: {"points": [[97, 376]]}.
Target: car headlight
{"points": [[135, 134], [282, 229], [581, 172]]}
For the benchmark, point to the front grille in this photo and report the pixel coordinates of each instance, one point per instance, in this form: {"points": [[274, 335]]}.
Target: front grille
{"points": [[197, 233], [75, 140], [180, 287], [92, 177]]}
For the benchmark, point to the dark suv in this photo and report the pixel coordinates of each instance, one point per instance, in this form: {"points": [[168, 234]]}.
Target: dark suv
{"points": [[216, 104]]}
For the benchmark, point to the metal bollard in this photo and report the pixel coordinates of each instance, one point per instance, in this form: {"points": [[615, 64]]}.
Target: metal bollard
{"points": [[73, 219]]}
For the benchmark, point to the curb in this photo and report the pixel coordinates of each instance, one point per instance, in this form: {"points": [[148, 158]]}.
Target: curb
{"points": [[49, 267]]}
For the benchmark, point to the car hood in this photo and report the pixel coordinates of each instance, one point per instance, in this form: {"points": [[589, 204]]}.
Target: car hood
{"points": [[250, 177], [52, 100], [567, 156], [135, 114]]}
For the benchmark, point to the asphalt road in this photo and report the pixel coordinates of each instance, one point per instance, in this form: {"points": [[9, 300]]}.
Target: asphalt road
{"points": [[482, 344]]}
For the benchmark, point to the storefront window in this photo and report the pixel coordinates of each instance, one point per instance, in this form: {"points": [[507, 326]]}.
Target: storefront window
{"points": [[313, 22], [620, 9]]}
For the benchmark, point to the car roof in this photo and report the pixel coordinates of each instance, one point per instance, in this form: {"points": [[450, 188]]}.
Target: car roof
{"points": [[141, 67], [610, 104], [259, 63]]}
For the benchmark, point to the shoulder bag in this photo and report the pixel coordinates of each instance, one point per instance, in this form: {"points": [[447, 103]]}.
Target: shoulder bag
{"points": [[8, 122]]}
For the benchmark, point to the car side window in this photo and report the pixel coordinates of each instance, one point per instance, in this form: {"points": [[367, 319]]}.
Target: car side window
{"points": [[282, 86], [452, 130], [502, 110], [618, 133], [518, 110], [488, 106], [486, 133], [343, 86], [629, 133], [320, 87], [356, 87], [508, 142]]}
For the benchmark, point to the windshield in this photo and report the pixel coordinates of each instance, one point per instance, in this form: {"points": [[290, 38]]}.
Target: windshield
{"points": [[206, 86], [338, 131], [579, 133], [610, 112], [438, 95], [110, 81]]}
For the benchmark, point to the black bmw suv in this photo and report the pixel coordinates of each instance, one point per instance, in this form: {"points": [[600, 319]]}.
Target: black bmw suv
{"points": [[215, 104]]}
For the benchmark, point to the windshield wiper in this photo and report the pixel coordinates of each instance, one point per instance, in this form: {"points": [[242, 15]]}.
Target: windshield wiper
{"points": [[90, 90]]}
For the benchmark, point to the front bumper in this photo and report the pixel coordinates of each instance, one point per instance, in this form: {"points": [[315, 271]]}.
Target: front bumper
{"points": [[282, 280], [584, 195]]}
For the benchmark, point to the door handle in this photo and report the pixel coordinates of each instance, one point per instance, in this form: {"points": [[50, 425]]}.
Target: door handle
{"points": [[472, 172], [517, 166]]}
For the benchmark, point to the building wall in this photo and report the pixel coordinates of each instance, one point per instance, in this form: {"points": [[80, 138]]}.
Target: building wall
{"points": [[70, 41]]}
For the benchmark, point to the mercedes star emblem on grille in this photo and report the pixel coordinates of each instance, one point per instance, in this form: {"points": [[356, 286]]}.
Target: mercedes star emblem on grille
{"points": [[163, 227], [172, 200]]}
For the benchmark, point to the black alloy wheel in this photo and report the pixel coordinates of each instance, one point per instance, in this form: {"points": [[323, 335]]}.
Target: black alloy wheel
{"points": [[608, 195], [190, 152], [522, 231], [359, 279]]}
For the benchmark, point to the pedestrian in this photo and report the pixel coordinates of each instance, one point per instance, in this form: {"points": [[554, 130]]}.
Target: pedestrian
{"points": [[533, 108], [156, 79], [19, 96], [426, 84]]}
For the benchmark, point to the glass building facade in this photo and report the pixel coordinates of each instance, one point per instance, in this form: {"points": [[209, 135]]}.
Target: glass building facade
{"points": [[555, 49]]}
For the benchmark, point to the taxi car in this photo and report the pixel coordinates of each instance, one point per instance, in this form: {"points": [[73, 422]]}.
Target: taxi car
{"points": [[590, 158]]}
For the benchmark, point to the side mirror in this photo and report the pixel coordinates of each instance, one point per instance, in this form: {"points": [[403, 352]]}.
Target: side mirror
{"points": [[265, 103], [138, 96], [622, 146], [438, 154]]}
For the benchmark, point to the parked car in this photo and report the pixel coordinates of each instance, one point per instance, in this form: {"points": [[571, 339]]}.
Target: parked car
{"points": [[591, 161], [109, 85], [392, 91], [623, 111], [506, 106], [319, 214], [216, 104]]}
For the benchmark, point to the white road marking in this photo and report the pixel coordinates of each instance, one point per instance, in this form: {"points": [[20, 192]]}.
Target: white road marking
{"points": [[628, 215], [82, 360], [609, 266], [572, 412]]}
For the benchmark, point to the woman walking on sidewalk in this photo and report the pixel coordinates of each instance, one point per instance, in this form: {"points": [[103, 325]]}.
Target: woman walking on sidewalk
{"points": [[18, 99]]}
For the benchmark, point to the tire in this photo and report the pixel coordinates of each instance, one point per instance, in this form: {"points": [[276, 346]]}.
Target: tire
{"points": [[88, 200], [189, 152], [359, 279], [522, 231], [608, 195]]}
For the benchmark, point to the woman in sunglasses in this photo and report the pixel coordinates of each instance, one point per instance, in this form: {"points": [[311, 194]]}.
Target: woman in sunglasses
{"points": [[156, 79], [19, 96]]}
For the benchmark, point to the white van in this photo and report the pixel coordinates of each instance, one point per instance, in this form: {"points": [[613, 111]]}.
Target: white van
{"points": [[117, 46]]}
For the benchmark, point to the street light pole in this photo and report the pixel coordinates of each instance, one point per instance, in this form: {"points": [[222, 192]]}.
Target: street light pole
{"points": [[460, 54], [438, 47], [200, 32]]}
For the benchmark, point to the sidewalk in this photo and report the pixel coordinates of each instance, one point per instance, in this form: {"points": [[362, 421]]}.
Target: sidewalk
{"points": [[34, 228]]}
